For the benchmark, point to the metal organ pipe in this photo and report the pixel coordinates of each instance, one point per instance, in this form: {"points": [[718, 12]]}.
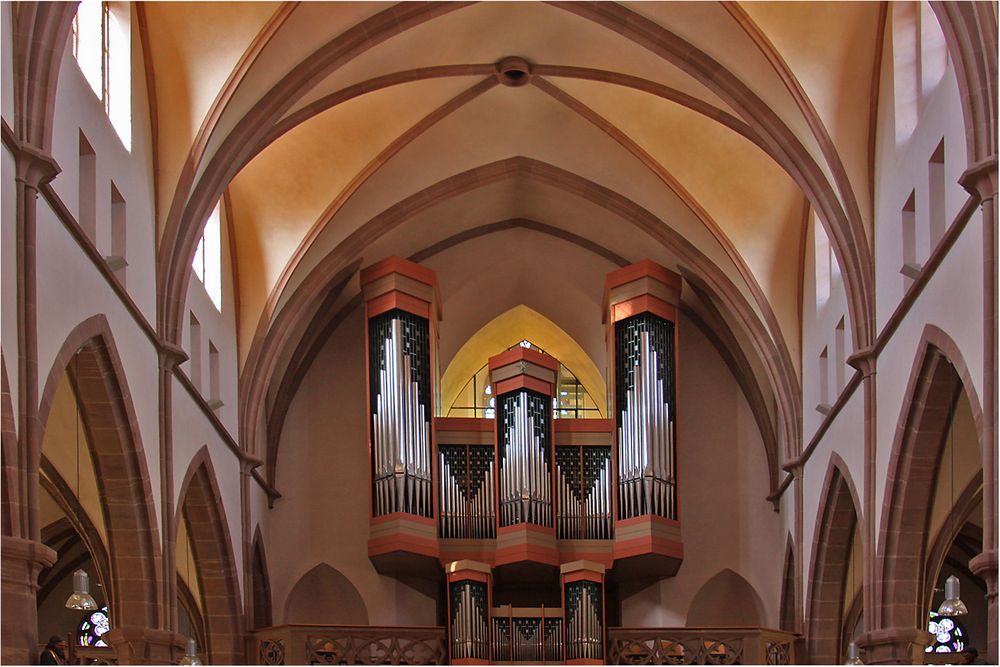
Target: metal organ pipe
{"points": [[525, 493], [646, 440]]}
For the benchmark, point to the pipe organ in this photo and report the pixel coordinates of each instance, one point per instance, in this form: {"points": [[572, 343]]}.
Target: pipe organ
{"points": [[466, 494], [468, 612], [524, 425], [524, 493], [644, 401], [583, 491]]}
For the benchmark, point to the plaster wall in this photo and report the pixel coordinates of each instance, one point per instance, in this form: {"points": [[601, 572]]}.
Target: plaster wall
{"points": [[192, 431], [323, 476], [64, 275], [723, 485], [218, 327]]}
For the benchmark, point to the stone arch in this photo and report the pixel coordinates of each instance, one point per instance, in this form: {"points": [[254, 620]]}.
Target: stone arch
{"points": [[835, 528], [80, 522], [260, 585], [337, 267], [726, 599], [90, 358], [787, 619], [200, 507], [9, 506], [323, 595], [938, 379], [41, 30]]}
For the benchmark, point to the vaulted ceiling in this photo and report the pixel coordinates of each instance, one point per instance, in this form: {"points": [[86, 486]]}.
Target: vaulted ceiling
{"points": [[698, 134]]}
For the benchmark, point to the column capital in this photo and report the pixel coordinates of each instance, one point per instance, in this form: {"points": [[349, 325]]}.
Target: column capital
{"points": [[27, 551], [980, 179], [894, 646], [985, 567], [170, 355], [864, 360], [33, 166]]}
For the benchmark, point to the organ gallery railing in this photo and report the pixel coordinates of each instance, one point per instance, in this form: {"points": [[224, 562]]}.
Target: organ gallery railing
{"points": [[527, 634], [700, 646], [350, 645]]}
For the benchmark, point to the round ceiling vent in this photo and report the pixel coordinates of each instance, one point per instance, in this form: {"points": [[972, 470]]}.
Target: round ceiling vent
{"points": [[513, 71]]}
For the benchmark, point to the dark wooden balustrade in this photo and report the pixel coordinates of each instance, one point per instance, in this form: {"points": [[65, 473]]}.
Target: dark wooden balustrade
{"points": [[700, 646], [350, 645]]}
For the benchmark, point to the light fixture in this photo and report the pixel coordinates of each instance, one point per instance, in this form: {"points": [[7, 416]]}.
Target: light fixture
{"points": [[191, 653], [81, 598], [952, 605], [853, 654]]}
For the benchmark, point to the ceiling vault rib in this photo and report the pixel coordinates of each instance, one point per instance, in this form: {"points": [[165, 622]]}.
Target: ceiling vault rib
{"points": [[194, 203], [804, 104], [219, 104], [689, 201], [331, 210], [848, 235], [331, 271]]}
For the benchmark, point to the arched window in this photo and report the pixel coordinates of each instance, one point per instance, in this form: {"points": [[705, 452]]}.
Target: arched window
{"points": [[93, 627], [102, 48], [207, 263], [570, 402], [949, 635]]}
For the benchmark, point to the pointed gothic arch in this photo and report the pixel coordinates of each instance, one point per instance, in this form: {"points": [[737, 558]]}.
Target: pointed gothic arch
{"points": [[200, 507]]}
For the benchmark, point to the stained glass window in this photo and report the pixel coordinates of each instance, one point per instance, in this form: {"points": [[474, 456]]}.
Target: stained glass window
{"points": [[93, 626], [949, 635]]}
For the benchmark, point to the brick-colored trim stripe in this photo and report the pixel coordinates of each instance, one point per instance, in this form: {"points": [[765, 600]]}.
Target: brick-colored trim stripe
{"points": [[939, 377], [200, 507], [95, 371], [838, 516]]}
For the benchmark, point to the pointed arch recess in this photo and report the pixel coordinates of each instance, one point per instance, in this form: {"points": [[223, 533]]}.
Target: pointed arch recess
{"points": [[534, 326], [939, 377], [90, 357], [835, 529], [200, 506], [263, 616]]}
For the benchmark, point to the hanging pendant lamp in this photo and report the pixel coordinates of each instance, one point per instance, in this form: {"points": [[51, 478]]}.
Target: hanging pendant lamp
{"points": [[853, 654], [81, 598], [952, 605], [191, 653]]}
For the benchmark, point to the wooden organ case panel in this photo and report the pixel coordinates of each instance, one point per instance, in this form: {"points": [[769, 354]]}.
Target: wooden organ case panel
{"points": [[401, 313], [641, 308]]}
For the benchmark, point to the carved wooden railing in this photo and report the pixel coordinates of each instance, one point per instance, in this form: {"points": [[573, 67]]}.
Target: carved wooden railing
{"points": [[91, 655], [350, 645], [700, 646]]}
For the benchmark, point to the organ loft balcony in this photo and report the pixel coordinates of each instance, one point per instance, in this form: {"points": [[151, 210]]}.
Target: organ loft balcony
{"points": [[520, 488]]}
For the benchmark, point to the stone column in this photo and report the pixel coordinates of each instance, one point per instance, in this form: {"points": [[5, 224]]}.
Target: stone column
{"points": [[170, 356], [145, 646], [865, 361], [22, 561], [894, 646], [980, 180]]}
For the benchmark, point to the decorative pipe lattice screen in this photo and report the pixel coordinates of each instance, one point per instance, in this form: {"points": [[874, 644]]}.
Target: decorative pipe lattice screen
{"points": [[401, 411], [466, 497], [645, 417], [583, 493]]}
